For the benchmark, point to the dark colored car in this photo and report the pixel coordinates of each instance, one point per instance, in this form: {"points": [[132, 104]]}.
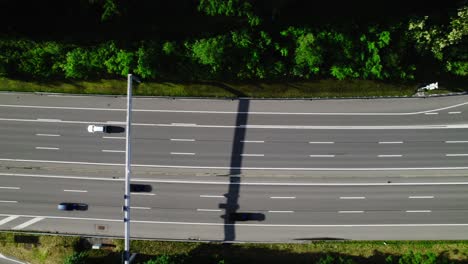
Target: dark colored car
{"points": [[246, 217], [140, 188], [72, 206]]}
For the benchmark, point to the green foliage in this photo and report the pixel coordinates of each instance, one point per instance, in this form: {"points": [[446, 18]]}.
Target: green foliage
{"points": [[435, 38], [208, 51], [239, 8], [418, 258], [145, 68], [163, 259], [333, 260], [41, 60], [76, 258], [110, 9]]}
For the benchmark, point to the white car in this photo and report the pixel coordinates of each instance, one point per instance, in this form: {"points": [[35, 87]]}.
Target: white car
{"points": [[97, 128]]}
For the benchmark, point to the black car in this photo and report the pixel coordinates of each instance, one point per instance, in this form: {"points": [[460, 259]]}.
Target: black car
{"points": [[246, 216], [72, 206]]}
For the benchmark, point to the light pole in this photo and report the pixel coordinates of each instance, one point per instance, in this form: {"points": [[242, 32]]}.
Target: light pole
{"points": [[128, 155]]}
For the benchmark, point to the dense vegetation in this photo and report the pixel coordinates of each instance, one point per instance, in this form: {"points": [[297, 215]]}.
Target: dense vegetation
{"points": [[234, 40]]}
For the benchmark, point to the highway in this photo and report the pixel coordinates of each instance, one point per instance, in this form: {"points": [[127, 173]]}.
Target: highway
{"points": [[334, 169]]}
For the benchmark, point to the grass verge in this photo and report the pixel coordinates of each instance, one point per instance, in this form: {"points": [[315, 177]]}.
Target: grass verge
{"points": [[46, 249], [309, 89]]}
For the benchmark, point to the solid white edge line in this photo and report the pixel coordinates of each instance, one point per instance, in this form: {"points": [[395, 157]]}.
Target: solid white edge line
{"points": [[28, 223], [282, 197], [238, 183], [389, 156], [456, 155], [421, 197], [273, 211], [141, 208], [259, 225], [418, 211], [211, 196], [114, 137], [350, 212], [390, 142], [182, 139], [230, 112], [113, 151], [47, 148], [8, 219], [457, 141], [252, 141], [209, 210], [352, 197], [252, 155], [78, 191], [322, 156], [9, 188], [149, 194], [182, 153], [47, 135], [321, 142]]}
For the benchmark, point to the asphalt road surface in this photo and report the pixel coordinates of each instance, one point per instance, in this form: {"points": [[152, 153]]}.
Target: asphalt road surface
{"points": [[244, 138]]}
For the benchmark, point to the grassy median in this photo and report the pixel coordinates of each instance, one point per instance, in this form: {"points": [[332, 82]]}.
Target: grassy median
{"points": [[309, 89], [45, 249]]}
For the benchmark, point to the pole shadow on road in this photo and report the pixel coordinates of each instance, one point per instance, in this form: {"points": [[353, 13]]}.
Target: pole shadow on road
{"points": [[232, 196]]}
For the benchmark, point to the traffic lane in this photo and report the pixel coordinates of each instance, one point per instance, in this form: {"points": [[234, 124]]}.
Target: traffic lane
{"points": [[189, 104], [253, 233], [441, 118], [268, 135], [230, 119]]}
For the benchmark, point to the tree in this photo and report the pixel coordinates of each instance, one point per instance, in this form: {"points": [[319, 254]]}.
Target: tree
{"points": [[208, 51], [76, 258]]}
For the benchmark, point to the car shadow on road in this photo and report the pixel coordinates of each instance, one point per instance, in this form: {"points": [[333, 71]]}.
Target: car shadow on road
{"points": [[231, 206]]}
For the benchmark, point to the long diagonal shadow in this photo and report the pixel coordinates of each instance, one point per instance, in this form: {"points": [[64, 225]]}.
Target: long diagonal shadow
{"points": [[232, 196]]}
